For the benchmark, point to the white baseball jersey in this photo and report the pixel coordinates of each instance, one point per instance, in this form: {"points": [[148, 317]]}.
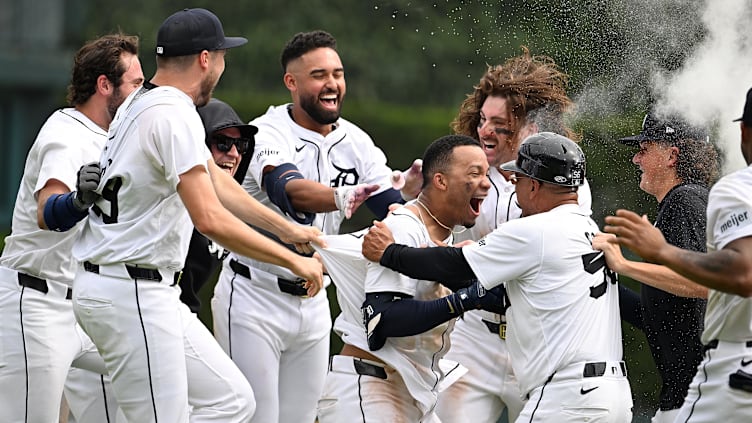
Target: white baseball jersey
{"points": [[728, 317], [40, 337], [66, 141], [346, 156], [140, 218], [416, 358], [564, 310]]}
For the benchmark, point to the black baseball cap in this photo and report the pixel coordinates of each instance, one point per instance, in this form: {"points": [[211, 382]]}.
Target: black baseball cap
{"points": [[747, 113], [217, 115], [668, 128], [190, 31]]}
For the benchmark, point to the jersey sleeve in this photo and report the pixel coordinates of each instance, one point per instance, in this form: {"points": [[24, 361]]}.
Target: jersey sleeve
{"points": [[59, 156], [375, 169], [272, 148], [59, 160], [175, 141], [406, 230], [510, 252], [729, 214]]}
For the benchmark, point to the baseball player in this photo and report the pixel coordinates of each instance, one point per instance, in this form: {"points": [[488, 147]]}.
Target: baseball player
{"points": [[315, 168], [158, 182], [722, 387], [391, 366], [678, 164], [564, 331], [40, 338], [524, 95], [231, 144]]}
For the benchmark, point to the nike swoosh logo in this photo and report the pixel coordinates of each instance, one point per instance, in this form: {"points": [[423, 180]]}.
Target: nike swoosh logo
{"points": [[745, 362], [587, 391], [297, 149]]}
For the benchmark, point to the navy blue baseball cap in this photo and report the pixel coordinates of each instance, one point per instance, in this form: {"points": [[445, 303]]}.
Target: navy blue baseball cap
{"points": [[747, 113], [669, 129], [190, 31]]}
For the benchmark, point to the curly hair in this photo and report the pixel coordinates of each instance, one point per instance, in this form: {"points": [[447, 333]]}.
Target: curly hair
{"points": [[303, 42], [99, 57], [534, 88], [697, 162]]}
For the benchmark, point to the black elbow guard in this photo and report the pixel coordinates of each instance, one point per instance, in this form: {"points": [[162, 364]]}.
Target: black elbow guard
{"points": [[275, 181]]}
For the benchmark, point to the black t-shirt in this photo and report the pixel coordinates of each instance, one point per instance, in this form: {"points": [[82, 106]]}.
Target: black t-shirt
{"points": [[673, 324], [202, 261]]}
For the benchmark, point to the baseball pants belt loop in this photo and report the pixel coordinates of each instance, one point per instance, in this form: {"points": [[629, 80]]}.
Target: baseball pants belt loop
{"points": [[292, 287], [496, 328], [38, 284], [355, 365], [133, 271], [713, 344], [240, 269]]}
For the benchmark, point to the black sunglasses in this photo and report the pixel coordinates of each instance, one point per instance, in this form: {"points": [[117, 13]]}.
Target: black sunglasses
{"points": [[225, 143]]}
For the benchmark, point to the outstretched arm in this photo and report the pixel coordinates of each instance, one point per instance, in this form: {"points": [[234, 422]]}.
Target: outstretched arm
{"points": [[248, 209], [445, 264], [655, 275], [727, 270], [217, 223]]}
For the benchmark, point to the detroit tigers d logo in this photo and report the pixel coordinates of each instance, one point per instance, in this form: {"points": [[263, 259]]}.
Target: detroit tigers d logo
{"points": [[344, 177]]}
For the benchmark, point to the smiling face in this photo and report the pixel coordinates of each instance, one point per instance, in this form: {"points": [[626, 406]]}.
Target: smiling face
{"points": [[657, 162], [316, 81], [132, 78], [228, 160], [467, 184], [496, 131]]}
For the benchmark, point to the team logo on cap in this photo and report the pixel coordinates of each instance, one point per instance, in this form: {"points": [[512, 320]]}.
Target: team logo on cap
{"points": [[160, 50], [670, 130]]}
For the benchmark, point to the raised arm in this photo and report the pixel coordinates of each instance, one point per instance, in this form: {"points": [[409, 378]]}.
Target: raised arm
{"points": [[248, 209], [728, 270], [655, 275], [216, 222]]}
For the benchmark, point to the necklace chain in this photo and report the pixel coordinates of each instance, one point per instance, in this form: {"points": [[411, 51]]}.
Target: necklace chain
{"points": [[420, 203]]}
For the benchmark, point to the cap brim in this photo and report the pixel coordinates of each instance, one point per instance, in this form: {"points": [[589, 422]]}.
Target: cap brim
{"points": [[738, 120], [634, 140], [231, 42], [511, 166], [247, 131]]}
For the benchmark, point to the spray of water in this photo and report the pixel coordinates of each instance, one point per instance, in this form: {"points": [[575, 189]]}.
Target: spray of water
{"points": [[710, 87]]}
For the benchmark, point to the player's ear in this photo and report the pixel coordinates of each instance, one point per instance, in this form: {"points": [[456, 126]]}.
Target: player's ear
{"points": [[104, 85], [673, 157], [439, 181], [289, 81]]}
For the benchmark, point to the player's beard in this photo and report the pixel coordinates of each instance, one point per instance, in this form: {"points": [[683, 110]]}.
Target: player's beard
{"points": [[207, 89], [323, 117], [114, 101]]}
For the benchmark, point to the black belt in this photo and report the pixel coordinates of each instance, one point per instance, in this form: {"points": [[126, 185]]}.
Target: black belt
{"points": [[598, 369], [133, 271], [292, 287], [714, 344], [496, 328], [38, 284], [366, 369]]}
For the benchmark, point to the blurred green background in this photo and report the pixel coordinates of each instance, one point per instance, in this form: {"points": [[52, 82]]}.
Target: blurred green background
{"points": [[409, 64]]}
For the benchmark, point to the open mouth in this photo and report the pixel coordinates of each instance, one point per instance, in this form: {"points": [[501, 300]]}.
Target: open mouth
{"points": [[329, 100], [475, 204], [226, 166]]}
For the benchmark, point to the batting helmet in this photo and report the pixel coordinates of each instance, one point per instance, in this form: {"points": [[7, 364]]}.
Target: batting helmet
{"points": [[551, 158]]}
